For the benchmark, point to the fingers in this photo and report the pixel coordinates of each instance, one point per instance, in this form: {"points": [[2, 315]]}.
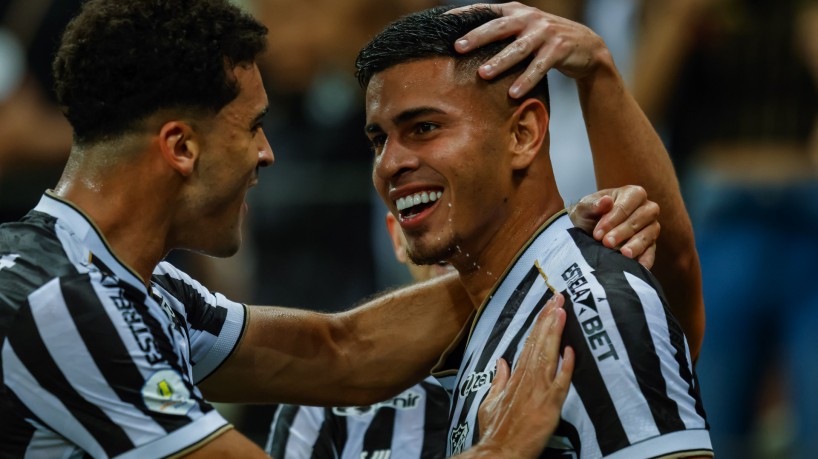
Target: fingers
{"points": [[500, 379], [627, 200], [562, 383], [496, 29], [637, 244], [541, 351], [649, 257]]}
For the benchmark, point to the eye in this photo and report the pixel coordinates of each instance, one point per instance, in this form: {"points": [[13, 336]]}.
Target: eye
{"points": [[377, 142], [425, 127]]}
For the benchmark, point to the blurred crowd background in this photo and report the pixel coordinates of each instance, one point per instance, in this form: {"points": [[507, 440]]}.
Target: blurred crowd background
{"points": [[731, 85]]}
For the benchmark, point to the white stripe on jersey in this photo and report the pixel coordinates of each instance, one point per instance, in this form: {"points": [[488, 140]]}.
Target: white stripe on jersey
{"points": [[683, 440], [304, 432], [188, 435], [46, 444], [64, 343], [52, 411], [677, 389], [354, 446], [408, 431]]}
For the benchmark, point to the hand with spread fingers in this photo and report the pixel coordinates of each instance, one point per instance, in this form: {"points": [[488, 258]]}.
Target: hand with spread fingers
{"points": [[551, 42]]}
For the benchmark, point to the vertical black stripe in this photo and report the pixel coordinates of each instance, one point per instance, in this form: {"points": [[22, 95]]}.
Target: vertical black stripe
{"points": [[335, 427], [15, 432], [514, 345], [27, 343], [631, 321], [435, 421], [379, 434], [590, 386], [567, 430], [169, 350], [497, 332], [112, 357], [201, 315], [677, 340], [280, 432]]}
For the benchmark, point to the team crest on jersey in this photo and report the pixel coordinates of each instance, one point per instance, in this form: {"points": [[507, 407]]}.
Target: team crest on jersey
{"points": [[458, 439], [165, 392]]}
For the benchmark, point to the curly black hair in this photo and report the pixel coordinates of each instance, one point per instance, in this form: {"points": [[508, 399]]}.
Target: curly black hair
{"points": [[430, 33], [122, 61]]}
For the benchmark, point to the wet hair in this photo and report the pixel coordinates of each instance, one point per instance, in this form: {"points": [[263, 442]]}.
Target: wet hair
{"points": [[430, 33], [119, 62]]}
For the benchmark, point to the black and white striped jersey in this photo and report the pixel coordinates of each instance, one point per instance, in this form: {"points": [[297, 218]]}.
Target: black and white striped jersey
{"points": [[93, 362], [633, 393], [411, 425]]}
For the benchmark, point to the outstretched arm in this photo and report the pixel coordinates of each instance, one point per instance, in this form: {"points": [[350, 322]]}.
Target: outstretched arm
{"points": [[626, 149]]}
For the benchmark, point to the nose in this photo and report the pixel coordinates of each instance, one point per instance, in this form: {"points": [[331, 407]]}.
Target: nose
{"points": [[394, 160], [265, 152]]}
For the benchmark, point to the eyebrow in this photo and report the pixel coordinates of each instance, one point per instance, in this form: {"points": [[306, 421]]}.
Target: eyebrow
{"points": [[260, 116], [404, 117]]}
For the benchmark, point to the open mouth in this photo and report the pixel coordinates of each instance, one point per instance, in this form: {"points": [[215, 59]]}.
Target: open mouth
{"points": [[413, 204]]}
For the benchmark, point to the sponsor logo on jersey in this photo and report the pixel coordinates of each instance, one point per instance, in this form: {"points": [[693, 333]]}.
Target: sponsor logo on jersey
{"points": [[7, 261], [377, 454], [458, 438], [406, 401], [476, 381], [586, 311], [141, 333], [165, 392]]}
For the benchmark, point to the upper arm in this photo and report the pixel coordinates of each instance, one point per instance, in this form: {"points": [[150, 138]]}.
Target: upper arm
{"points": [[633, 377]]}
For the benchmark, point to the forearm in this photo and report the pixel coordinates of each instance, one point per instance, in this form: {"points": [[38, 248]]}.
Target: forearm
{"points": [[627, 150], [663, 45], [354, 358], [400, 336]]}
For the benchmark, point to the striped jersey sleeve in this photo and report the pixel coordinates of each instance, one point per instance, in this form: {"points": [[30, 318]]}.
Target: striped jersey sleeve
{"points": [[633, 392], [93, 366], [94, 362], [215, 324], [411, 425]]}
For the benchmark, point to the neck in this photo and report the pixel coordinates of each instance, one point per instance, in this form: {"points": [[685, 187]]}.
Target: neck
{"points": [[128, 206], [480, 273]]}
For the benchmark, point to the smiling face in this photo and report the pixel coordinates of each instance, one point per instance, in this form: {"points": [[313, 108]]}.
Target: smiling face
{"points": [[233, 147], [441, 163]]}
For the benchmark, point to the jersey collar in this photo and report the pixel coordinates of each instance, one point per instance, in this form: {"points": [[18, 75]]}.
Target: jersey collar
{"points": [[93, 247]]}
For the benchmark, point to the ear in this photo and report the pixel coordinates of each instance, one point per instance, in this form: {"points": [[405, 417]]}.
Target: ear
{"points": [[179, 146], [529, 129], [398, 240]]}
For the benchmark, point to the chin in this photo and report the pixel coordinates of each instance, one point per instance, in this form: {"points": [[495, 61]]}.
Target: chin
{"points": [[425, 255]]}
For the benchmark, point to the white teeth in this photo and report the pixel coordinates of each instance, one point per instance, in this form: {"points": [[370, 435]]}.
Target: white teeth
{"points": [[417, 198]]}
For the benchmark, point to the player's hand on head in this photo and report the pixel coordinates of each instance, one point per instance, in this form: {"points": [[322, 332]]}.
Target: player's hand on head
{"points": [[551, 41], [621, 218], [523, 407]]}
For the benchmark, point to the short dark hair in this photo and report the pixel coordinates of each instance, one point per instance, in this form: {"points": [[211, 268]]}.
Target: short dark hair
{"points": [[430, 33], [122, 61]]}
